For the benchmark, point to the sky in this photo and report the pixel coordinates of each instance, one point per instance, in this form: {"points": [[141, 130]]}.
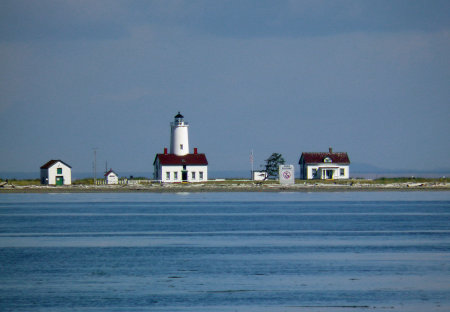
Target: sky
{"points": [[370, 78]]}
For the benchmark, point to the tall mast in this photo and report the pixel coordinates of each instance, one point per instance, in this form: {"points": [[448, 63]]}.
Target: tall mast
{"points": [[251, 161]]}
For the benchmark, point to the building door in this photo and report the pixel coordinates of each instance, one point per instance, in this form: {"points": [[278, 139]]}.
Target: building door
{"points": [[184, 175], [59, 180], [329, 174]]}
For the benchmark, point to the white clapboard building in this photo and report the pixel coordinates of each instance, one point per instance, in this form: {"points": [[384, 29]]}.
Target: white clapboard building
{"points": [[111, 177], [179, 165], [324, 166], [56, 172]]}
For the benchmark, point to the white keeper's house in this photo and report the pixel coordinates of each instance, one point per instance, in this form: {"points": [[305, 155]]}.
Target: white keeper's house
{"points": [[111, 177], [56, 172], [179, 165], [324, 166]]}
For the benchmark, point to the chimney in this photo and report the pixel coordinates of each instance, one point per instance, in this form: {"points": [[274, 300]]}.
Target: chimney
{"points": [[195, 150], [330, 150], [165, 150]]}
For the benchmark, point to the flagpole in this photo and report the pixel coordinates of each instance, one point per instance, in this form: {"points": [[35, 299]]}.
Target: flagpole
{"points": [[251, 162]]}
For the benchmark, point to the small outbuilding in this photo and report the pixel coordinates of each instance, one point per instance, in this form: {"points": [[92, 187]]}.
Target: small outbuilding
{"points": [[324, 166], [56, 172], [259, 175], [111, 177]]}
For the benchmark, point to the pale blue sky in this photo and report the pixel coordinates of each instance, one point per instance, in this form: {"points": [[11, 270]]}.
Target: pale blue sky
{"points": [[367, 77]]}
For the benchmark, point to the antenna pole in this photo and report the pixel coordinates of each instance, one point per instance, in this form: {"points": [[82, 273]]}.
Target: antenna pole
{"points": [[95, 165], [251, 162]]}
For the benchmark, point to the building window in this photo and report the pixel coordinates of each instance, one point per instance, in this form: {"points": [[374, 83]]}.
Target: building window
{"points": [[59, 170], [175, 175], [342, 172], [167, 175], [200, 174], [181, 146], [193, 175], [314, 173]]}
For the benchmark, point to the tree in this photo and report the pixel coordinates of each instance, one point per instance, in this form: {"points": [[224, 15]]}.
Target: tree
{"points": [[272, 164]]}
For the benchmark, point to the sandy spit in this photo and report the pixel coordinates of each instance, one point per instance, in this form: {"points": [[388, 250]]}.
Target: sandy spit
{"points": [[206, 187]]}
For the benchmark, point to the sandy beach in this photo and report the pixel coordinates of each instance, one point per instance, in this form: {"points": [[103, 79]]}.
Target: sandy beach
{"points": [[229, 187]]}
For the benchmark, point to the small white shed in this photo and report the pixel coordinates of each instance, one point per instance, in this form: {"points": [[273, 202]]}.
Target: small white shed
{"points": [[259, 175], [111, 177], [56, 172]]}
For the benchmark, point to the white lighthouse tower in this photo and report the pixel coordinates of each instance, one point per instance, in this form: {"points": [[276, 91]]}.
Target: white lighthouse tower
{"points": [[179, 140]]}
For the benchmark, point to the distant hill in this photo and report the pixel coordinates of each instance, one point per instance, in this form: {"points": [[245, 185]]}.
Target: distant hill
{"points": [[370, 171], [19, 175], [365, 168]]}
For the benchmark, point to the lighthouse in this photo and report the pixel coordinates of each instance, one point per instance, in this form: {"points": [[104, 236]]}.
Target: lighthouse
{"points": [[179, 139], [178, 165]]}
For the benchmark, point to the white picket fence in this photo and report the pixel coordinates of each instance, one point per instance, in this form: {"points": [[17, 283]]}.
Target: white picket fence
{"points": [[126, 182]]}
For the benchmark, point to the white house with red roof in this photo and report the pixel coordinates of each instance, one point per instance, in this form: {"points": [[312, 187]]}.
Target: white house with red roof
{"points": [[324, 166], [179, 165], [111, 177], [56, 172]]}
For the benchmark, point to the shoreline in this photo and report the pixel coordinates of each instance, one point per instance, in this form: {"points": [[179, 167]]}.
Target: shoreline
{"points": [[207, 188]]}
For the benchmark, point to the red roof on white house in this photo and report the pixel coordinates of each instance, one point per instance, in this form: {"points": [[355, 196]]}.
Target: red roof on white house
{"points": [[314, 158], [188, 160], [109, 172]]}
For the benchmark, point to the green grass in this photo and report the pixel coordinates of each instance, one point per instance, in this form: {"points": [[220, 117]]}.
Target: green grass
{"points": [[86, 181], [378, 181], [238, 181], [23, 182], [408, 180]]}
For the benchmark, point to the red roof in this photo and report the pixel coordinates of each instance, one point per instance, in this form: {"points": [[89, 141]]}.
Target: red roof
{"points": [[110, 171], [311, 158], [52, 162], [174, 160]]}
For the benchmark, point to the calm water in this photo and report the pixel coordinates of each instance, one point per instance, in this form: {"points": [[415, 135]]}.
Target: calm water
{"points": [[384, 251]]}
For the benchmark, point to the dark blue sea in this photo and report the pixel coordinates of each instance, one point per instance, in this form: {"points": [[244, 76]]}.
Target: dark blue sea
{"points": [[354, 251]]}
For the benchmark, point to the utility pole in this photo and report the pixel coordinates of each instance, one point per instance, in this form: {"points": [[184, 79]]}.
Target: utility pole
{"points": [[95, 165], [251, 162]]}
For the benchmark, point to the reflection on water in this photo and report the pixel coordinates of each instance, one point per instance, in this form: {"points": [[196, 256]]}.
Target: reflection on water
{"points": [[225, 252]]}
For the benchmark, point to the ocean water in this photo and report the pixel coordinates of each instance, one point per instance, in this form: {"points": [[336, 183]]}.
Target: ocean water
{"points": [[355, 251]]}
